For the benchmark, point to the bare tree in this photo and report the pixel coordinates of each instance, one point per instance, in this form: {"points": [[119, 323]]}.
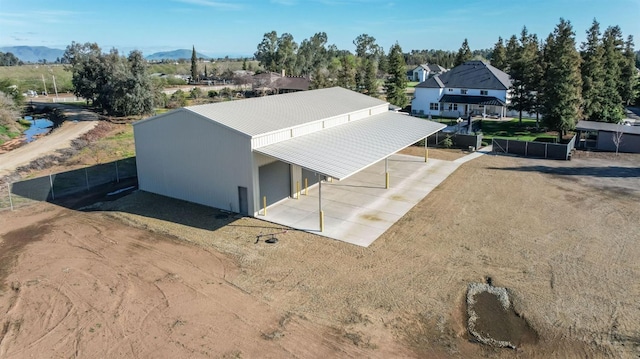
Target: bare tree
{"points": [[617, 137]]}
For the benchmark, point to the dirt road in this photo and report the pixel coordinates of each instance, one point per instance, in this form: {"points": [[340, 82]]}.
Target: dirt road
{"points": [[147, 276], [79, 122]]}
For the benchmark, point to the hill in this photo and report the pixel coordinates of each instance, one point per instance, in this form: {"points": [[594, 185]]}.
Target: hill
{"points": [[34, 53], [174, 55]]}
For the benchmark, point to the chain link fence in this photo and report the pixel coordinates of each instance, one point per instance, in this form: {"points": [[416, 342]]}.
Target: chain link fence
{"points": [[59, 185]]}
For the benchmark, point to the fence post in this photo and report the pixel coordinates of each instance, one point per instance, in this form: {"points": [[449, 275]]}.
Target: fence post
{"points": [[117, 175], [545, 149], [507, 146], [526, 148], [53, 195], [10, 200], [86, 176]]}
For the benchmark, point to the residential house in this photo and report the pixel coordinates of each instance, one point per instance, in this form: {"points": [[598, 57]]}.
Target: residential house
{"points": [[275, 83], [473, 88], [422, 72]]}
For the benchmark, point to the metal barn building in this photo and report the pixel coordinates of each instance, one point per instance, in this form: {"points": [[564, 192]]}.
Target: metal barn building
{"points": [[603, 136], [240, 154]]}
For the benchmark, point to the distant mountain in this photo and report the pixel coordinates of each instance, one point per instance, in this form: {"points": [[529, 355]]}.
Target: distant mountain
{"points": [[174, 55], [34, 53]]}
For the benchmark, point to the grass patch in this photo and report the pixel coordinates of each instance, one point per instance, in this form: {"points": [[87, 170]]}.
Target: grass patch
{"points": [[412, 83], [514, 130], [29, 77]]}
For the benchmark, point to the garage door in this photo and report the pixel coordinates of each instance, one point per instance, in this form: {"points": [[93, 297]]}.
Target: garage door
{"points": [[275, 182], [312, 177]]}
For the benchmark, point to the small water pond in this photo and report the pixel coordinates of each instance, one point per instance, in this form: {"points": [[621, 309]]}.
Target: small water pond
{"points": [[39, 126]]}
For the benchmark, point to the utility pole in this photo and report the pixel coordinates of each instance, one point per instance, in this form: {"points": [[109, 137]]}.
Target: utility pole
{"points": [[54, 85], [44, 84]]}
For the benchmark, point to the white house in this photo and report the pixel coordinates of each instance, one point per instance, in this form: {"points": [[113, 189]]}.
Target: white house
{"points": [[240, 154], [423, 72], [473, 88]]}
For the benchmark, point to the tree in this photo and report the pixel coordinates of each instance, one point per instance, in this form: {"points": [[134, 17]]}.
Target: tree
{"points": [[499, 56], [286, 53], [266, 54], [9, 59], [612, 110], [347, 72], [629, 73], [85, 66], [617, 136], [194, 66], [592, 71], [396, 83], [464, 54], [369, 54], [312, 54], [524, 71], [561, 99], [511, 50]]}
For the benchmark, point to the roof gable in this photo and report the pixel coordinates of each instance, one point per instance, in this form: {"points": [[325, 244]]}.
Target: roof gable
{"points": [[470, 75]]}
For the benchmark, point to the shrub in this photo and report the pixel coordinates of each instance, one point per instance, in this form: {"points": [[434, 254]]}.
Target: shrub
{"points": [[447, 142]]}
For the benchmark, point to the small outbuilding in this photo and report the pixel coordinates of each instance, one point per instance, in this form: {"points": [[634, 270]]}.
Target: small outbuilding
{"points": [[604, 136], [246, 155]]}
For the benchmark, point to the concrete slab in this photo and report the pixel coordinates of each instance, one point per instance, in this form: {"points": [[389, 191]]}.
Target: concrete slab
{"points": [[359, 209]]}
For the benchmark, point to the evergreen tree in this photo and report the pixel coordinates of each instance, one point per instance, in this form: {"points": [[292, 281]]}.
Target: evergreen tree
{"points": [[464, 54], [612, 110], [266, 54], [511, 50], [629, 73], [524, 74], [194, 65], [592, 70], [286, 54], [370, 82], [206, 76], [499, 56], [561, 99], [244, 64], [347, 72], [396, 83]]}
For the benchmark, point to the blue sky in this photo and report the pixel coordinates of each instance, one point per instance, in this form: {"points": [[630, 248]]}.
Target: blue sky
{"points": [[235, 27]]}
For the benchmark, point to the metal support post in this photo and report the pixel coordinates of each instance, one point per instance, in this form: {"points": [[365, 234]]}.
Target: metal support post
{"points": [[386, 172], [320, 203], [306, 187], [426, 150], [297, 189], [264, 205]]}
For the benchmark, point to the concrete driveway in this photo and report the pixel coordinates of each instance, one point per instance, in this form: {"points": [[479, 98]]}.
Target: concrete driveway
{"points": [[359, 209]]}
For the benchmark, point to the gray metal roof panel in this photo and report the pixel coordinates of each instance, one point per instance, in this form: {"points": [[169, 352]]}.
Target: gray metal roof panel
{"points": [[604, 126], [471, 75], [341, 151], [260, 115]]}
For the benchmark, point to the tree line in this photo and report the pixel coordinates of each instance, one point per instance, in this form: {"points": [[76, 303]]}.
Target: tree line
{"points": [[563, 83], [113, 83]]}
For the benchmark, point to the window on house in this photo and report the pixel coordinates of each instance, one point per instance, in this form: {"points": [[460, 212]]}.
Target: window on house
{"points": [[463, 91], [484, 92], [434, 106], [453, 107]]}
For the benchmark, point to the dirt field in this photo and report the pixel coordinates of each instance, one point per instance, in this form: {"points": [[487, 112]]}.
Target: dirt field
{"points": [[146, 276]]}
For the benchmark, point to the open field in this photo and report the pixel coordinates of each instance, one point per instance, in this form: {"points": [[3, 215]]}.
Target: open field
{"points": [[147, 276]]}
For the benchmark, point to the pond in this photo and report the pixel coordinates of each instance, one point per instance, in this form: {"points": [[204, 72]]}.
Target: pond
{"points": [[39, 126]]}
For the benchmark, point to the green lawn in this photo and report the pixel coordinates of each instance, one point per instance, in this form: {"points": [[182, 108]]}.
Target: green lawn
{"points": [[513, 130], [412, 83], [29, 77]]}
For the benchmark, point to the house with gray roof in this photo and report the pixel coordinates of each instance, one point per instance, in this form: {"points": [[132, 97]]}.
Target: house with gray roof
{"points": [[473, 88], [246, 155], [422, 72]]}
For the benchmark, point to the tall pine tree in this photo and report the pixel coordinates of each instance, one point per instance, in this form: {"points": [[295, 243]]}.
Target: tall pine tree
{"points": [[499, 56], [592, 71], [562, 100], [629, 73], [612, 110], [396, 83], [464, 54]]}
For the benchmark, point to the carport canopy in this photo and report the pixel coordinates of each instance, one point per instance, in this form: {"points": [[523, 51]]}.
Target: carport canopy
{"points": [[343, 150]]}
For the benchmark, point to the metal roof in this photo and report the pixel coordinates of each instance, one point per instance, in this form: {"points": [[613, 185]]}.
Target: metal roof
{"points": [[471, 75], [604, 126], [473, 100], [260, 115], [341, 151]]}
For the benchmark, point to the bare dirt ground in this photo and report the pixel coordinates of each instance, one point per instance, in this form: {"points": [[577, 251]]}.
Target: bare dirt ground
{"points": [[148, 276]]}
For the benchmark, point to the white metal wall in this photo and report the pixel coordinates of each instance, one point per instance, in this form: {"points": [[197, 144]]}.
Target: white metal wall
{"points": [[185, 156]]}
